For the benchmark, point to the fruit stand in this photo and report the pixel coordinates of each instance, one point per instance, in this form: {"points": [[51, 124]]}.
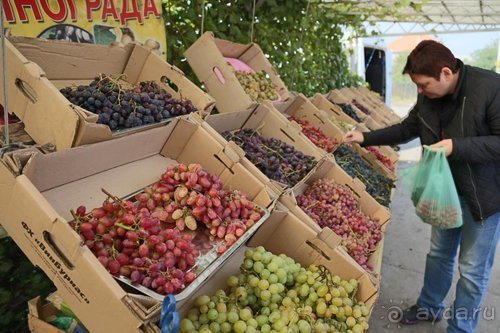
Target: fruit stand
{"points": [[130, 183]]}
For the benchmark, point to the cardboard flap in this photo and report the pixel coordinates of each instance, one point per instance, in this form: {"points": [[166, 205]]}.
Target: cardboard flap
{"points": [[147, 308], [28, 86]]}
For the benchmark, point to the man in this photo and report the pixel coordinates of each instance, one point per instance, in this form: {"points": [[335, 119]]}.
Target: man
{"points": [[458, 108]]}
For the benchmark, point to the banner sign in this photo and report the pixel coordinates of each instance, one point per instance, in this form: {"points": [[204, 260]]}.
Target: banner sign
{"points": [[88, 21]]}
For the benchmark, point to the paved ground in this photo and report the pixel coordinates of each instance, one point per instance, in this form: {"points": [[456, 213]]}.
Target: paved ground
{"points": [[405, 247]]}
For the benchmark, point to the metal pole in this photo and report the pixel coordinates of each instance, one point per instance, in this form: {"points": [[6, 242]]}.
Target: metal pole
{"points": [[4, 78]]}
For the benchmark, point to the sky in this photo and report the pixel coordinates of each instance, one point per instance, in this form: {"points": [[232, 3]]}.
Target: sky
{"points": [[461, 44]]}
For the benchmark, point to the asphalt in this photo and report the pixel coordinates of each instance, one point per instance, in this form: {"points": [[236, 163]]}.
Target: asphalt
{"points": [[406, 244]]}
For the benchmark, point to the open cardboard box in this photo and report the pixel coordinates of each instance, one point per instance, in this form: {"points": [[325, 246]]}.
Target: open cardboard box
{"points": [[268, 122], [206, 58], [332, 110], [35, 210], [37, 69], [336, 97], [369, 206], [303, 109], [372, 161], [285, 233]]}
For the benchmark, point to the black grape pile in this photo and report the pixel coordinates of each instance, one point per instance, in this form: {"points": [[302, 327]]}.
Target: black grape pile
{"points": [[120, 108], [378, 186], [347, 109], [276, 159], [361, 107]]}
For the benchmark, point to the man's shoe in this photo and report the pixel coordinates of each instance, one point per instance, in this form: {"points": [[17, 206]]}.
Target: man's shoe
{"points": [[413, 315]]}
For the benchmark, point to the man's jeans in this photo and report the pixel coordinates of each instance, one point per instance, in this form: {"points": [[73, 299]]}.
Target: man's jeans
{"points": [[477, 241]]}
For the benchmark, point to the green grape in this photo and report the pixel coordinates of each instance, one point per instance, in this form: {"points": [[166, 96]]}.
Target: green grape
{"points": [[347, 310], [258, 267], [186, 325], [304, 326], [353, 283], [313, 268], [335, 292], [226, 327], [245, 314], [222, 317], [250, 329], [263, 284], [322, 290], [272, 266], [278, 324], [265, 311], [337, 301], [253, 281], [350, 321], [265, 328], [249, 253], [364, 310], [212, 314], [347, 301], [273, 278], [313, 296], [321, 309], [301, 278], [311, 280], [274, 316], [211, 305], [205, 329], [349, 288], [274, 289], [232, 281], [266, 257], [241, 293], [221, 307], [343, 292], [219, 293], [261, 320], [260, 249], [202, 300], [203, 319], [265, 295], [276, 298], [273, 306], [336, 279], [193, 314], [304, 290], [265, 274], [257, 256], [247, 264], [357, 329], [204, 308], [281, 273], [240, 326], [232, 317], [215, 327], [292, 293], [252, 299], [281, 288]]}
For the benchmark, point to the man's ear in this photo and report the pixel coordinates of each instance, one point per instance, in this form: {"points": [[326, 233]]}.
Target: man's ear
{"points": [[447, 73]]}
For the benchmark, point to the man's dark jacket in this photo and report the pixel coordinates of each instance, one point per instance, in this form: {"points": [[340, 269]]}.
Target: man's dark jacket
{"points": [[474, 129]]}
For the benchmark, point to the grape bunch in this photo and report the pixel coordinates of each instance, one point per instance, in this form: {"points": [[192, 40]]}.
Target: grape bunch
{"points": [[340, 123], [335, 206], [130, 242], [148, 239], [120, 107], [381, 157], [348, 110], [438, 214], [316, 135], [360, 106], [275, 294], [276, 159], [257, 85], [377, 185]]}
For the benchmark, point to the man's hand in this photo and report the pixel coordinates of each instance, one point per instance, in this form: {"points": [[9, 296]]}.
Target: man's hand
{"points": [[447, 144], [353, 136]]}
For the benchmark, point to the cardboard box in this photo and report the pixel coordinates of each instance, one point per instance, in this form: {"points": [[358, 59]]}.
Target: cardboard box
{"points": [[206, 58], [285, 233], [372, 161], [336, 97], [37, 69], [332, 110], [35, 210], [303, 109], [269, 123], [38, 317], [369, 206]]}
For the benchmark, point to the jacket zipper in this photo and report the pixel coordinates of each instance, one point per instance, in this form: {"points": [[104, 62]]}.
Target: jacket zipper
{"points": [[470, 169], [427, 125]]}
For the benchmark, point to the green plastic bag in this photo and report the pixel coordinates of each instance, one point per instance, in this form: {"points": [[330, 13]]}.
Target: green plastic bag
{"points": [[433, 190]]}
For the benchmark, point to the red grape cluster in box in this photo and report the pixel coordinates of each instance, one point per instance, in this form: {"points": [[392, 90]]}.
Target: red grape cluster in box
{"points": [[381, 157], [316, 135], [151, 241], [335, 206]]}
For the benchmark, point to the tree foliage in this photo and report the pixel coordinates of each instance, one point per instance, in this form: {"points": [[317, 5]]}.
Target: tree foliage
{"points": [[304, 40], [486, 57]]}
